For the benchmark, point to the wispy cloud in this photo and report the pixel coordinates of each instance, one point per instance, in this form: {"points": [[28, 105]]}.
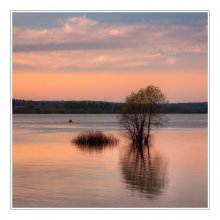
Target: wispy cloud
{"points": [[83, 31], [81, 43]]}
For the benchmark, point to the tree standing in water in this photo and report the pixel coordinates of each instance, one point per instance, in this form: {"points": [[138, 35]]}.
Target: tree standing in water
{"points": [[140, 112]]}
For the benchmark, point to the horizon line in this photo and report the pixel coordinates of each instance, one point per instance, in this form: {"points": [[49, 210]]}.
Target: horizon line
{"points": [[100, 101]]}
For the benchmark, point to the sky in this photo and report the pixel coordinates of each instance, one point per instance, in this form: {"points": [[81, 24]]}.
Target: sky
{"points": [[105, 56]]}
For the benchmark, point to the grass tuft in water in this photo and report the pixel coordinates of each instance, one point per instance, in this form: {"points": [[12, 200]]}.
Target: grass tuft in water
{"points": [[94, 138]]}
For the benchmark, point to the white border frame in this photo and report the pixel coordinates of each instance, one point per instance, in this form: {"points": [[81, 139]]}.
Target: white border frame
{"points": [[106, 11]]}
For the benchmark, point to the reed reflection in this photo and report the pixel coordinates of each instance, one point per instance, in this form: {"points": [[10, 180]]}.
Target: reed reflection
{"points": [[144, 171], [93, 149]]}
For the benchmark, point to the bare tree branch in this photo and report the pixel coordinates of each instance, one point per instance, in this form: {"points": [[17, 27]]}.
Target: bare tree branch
{"points": [[140, 112]]}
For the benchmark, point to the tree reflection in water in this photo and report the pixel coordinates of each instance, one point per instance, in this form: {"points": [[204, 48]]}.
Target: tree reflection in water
{"points": [[144, 172]]}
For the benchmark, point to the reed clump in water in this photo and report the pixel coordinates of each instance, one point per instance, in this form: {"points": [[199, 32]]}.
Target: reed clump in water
{"points": [[94, 138]]}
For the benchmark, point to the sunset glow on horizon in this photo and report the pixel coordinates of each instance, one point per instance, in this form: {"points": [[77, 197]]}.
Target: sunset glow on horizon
{"points": [[106, 56]]}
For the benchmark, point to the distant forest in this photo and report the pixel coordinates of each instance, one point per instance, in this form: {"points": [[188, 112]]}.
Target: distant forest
{"points": [[94, 107]]}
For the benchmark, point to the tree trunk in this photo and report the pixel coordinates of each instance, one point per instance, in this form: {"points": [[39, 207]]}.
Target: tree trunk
{"points": [[140, 135], [148, 127], [148, 132]]}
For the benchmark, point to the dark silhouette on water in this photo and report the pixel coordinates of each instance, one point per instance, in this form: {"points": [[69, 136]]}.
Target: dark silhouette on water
{"points": [[143, 172], [70, 121], [94, 141], [140, 112]]}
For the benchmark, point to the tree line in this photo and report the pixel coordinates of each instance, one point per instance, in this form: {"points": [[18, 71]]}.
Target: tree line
{"points": [[95, 107]]}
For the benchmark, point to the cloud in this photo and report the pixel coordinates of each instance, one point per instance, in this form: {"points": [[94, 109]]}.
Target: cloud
{"points": [[81, 43], [125, 60], [89, 60], [85, 32]]}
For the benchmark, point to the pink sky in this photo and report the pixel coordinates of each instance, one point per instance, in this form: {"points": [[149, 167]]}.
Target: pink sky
{"points": [[82, 58]]}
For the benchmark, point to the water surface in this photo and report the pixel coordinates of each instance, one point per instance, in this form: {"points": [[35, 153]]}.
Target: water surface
{"points": [[50, 172]]}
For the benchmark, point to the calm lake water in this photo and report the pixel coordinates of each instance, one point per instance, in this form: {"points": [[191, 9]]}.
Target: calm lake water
{"points": [[50, 172]]}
